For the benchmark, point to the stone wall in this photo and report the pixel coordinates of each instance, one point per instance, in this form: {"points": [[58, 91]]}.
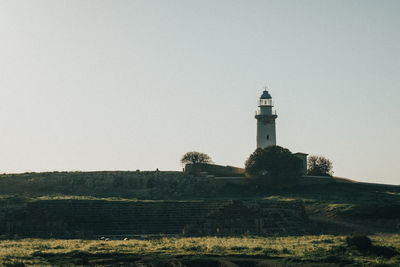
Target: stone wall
{"points": [[215, 170], [83, 218], [303, 157], [256, 217]]}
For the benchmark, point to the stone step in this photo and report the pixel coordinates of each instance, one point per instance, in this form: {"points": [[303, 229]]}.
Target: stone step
{"points": [[141, 217]]}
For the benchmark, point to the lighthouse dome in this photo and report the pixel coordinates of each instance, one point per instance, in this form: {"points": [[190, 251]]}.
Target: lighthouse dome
{"points": [[265, 95]]}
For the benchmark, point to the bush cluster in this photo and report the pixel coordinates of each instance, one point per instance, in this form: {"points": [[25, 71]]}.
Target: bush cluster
{"points": [[274, 163]]}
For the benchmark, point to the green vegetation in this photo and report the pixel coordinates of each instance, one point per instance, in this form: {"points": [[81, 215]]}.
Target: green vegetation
{"points": [[275, 164], [195, 158], [335, 210], [296, 251], [107, 184], [319, 166]]}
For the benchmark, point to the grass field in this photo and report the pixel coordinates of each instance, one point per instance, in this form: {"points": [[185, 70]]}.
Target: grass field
{"points": [[323, 250]]}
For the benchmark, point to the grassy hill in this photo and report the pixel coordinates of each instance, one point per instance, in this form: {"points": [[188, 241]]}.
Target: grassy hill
{"points": [[334, 211], [341, 207]]}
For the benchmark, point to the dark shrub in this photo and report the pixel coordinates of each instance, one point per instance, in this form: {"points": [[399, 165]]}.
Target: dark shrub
{"points": [[238, 248], [319, 166], [383, 251], [15, 264], [361, 242], [274, 164]]}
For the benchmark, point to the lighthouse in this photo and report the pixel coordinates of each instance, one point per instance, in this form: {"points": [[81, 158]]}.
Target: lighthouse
{"points": [[265, 116]]}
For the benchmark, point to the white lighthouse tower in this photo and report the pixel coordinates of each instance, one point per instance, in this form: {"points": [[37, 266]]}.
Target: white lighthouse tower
{"points": [[265, 116]]}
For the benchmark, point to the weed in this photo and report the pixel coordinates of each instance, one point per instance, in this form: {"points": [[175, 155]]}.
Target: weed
{"points": [[239, 248], [14, 264], [285, 251], [217, 250], [195, 248], [270, 251]]}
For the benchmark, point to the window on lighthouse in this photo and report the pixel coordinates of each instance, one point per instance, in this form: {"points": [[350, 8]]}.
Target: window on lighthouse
{"points": [[268, 137], [265, 102]]}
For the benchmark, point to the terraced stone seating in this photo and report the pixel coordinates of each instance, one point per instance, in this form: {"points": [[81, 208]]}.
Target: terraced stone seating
{"points": [[257, 217], [83, 218]]}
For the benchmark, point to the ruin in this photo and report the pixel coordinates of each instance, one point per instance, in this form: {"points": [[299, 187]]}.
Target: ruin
{"points": [[93, 218]]}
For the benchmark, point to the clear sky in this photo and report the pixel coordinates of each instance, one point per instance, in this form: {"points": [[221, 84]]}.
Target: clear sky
{"points": [[126, 85]]}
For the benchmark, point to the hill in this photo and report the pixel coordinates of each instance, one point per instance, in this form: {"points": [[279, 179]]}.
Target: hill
{"points": [[333, 207], [130, 204]]}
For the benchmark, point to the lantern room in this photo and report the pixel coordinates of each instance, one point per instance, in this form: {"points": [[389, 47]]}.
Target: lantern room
{"points": [[265, 99]]}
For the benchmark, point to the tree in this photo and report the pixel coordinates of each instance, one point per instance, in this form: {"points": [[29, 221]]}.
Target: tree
{"points": [[273, 162], [195, 158], [319, 166]]}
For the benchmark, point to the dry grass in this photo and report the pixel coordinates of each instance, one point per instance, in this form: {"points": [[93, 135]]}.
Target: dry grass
{"points": [[46, 252]]}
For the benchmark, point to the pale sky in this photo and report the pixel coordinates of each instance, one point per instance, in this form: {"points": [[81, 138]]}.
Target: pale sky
{"points": [[126, 85]]}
